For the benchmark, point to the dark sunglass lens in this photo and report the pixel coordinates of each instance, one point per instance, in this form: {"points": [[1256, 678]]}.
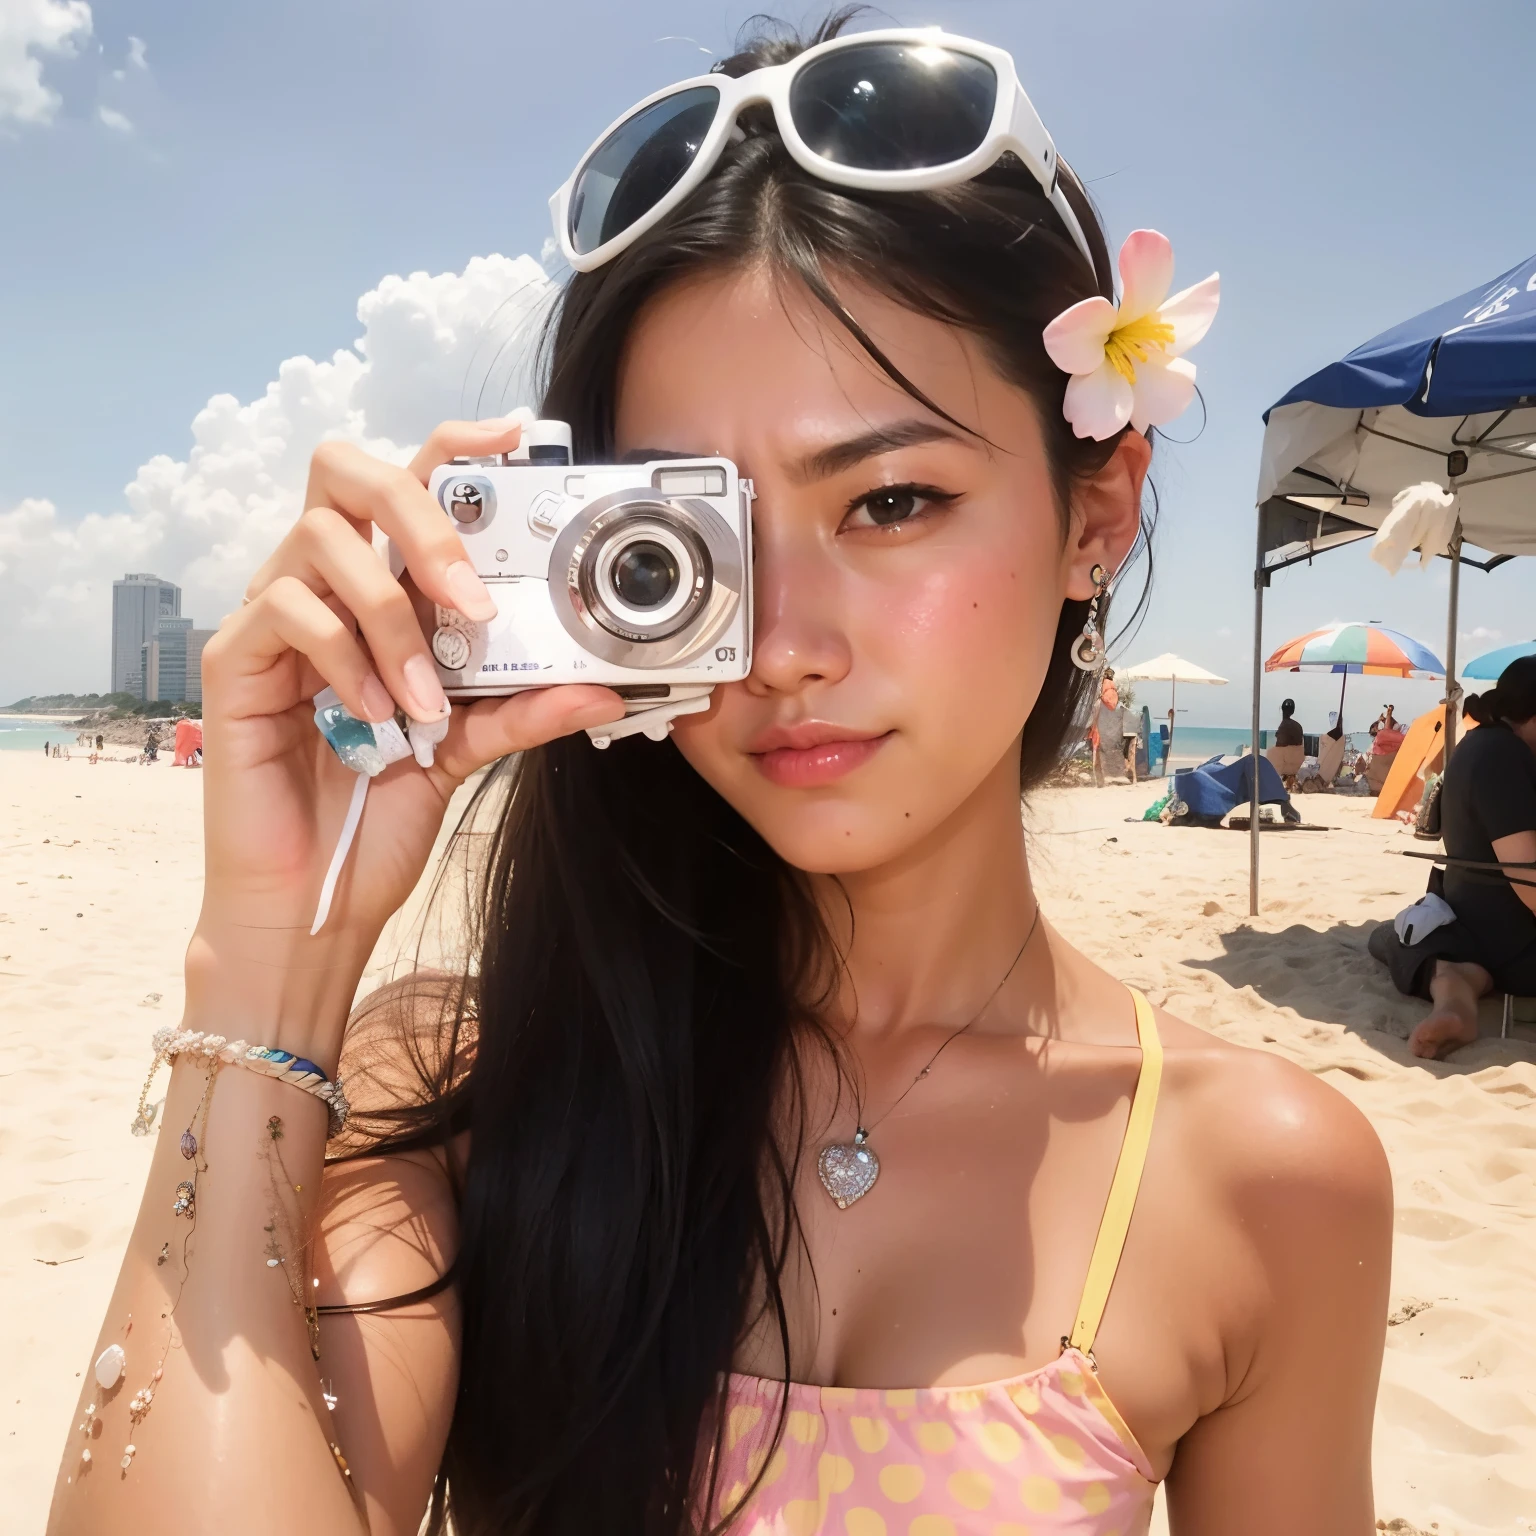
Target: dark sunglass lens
{"points": [[894, 106], [638, 164]]}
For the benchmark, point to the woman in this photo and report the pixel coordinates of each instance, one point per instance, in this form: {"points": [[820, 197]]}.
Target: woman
{"points": [[1488, 823], [799, 934], [1109, 730], [1386, 734]]}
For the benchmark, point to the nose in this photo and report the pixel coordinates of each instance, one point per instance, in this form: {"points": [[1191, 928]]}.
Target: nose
{"points": [[799, 636]]}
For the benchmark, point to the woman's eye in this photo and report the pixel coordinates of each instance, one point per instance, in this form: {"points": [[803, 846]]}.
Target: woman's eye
{"points": [[892, 505]]}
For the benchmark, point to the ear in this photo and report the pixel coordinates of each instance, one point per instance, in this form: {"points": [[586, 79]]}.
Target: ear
{"points": [[1106, 514]]}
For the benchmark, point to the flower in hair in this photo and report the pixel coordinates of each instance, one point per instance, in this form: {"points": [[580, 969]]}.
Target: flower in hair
{"points": [[1127, 359]]}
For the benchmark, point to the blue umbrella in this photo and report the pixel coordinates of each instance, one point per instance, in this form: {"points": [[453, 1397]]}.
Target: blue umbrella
{"points": [[1488, 667]]}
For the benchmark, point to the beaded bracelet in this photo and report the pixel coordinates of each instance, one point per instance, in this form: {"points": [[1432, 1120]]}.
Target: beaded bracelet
{"points": [[283, 1066]]}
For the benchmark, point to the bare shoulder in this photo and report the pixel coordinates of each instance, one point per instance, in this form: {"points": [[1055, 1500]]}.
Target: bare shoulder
{"points": [[1292, 1159]]}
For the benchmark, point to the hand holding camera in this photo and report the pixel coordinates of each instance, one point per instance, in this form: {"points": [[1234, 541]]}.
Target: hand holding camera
{"points": [[324, 610]]}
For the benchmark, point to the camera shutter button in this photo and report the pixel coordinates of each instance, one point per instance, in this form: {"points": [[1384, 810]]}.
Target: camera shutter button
{"points": [[451, 648]]}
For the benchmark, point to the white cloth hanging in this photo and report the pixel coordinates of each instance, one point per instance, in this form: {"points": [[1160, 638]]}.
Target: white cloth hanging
{"points": [[1423, 517]]}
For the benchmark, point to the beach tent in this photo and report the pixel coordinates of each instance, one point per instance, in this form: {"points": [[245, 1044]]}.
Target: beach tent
{"points": [[189, 739], [1447, 397]]}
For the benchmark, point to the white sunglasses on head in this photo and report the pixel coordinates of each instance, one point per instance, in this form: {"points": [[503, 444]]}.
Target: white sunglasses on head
{"points": [[902, 110]]}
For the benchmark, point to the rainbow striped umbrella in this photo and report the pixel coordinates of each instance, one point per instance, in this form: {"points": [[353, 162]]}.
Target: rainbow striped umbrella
{"points": [[1367, 648], [1346, 648]]}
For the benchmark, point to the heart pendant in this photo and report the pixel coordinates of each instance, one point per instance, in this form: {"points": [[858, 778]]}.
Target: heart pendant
{"points": [[848, 1170]]}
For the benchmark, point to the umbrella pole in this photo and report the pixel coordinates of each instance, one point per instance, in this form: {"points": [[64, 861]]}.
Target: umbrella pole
{"points": [[1342, 686], [1173, 709], [1260, 581], [1452, 692]]}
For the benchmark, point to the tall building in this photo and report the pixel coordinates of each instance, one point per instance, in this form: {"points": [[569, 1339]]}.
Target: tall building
{"points": [[172, 637], [139, 602], [196, 640]]}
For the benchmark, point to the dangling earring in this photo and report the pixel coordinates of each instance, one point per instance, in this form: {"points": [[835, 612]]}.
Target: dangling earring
{"points": [[1088, 649]]}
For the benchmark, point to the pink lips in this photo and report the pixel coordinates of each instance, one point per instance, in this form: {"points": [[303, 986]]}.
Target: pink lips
{"points": [[812, 754]]}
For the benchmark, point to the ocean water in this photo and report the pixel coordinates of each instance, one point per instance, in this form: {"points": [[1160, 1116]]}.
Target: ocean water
{"points": [[19, 734], [1196, 743]]}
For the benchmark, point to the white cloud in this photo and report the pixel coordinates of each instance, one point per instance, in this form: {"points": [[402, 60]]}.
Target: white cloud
{"points": [[28, 30], [138, 52], [114, 119], [433, 347], [1482, 635]]}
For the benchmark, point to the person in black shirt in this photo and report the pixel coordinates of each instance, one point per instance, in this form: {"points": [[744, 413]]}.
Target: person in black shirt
{"points": [[1487, 816], [1289, 733]]}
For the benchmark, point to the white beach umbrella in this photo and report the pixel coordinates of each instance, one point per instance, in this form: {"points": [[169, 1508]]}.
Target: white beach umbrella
{"points": [[1169, 668]]}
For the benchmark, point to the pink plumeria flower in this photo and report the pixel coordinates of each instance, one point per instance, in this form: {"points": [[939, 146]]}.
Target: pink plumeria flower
{"points": [[1127, 359]]}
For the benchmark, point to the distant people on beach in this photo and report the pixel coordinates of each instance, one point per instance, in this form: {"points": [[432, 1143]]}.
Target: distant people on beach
{"points": [[1130, 739], [1486, 939], [1109, 731], [1289, 749], [1386, 734], [46, 752], [1386, 738]]}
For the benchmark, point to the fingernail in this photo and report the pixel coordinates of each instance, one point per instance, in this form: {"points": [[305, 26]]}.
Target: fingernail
{"points": [[521, 417], [470, 595], [426, 692], [597, 714], [377, 704]]}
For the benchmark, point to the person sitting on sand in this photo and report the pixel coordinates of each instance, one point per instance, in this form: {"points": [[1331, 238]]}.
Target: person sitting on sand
{"points": [[1290, 745], [1386, 734], [1487, 817]]}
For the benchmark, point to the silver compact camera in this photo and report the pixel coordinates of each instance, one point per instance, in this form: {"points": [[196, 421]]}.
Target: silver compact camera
{"points": [[634, 576]]}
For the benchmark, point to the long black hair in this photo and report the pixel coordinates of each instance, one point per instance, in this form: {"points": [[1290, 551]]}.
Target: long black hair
{"points": [[626, 1045], [1512, 698]]}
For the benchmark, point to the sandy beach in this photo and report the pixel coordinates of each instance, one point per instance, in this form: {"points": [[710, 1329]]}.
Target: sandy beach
{"points": [[100, 868]]}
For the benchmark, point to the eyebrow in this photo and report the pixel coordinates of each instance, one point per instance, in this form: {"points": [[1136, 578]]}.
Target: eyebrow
{"points": [[835, 458], [823, 463]]}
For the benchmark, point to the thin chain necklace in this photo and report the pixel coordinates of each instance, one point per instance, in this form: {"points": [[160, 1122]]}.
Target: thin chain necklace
{"points": [[849, 1169]]}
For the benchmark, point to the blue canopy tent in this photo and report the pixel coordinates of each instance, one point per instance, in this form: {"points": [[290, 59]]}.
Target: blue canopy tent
{"points": [[1449, 397]]}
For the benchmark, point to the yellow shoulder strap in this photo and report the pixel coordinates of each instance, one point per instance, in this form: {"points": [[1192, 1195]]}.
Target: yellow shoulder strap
{"points": [[1122, 1189]]}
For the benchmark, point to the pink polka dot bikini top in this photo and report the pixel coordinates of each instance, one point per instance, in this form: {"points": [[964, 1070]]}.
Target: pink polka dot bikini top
{"points": [[1044, 1453]]}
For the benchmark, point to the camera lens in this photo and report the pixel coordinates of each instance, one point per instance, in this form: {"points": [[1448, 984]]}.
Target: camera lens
{"points": [[644, 575]]}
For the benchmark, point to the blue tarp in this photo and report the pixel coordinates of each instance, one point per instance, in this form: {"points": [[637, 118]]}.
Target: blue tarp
{"points": [[1473, 353], [1215, 787]]}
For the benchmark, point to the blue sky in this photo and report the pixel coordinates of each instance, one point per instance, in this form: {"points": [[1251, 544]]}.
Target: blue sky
{"points": [[185, 214]]}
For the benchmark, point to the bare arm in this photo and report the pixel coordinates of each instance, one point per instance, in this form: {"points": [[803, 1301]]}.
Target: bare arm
{"points": [[1519, 848], [1289, 1449], [235, 1436]]}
